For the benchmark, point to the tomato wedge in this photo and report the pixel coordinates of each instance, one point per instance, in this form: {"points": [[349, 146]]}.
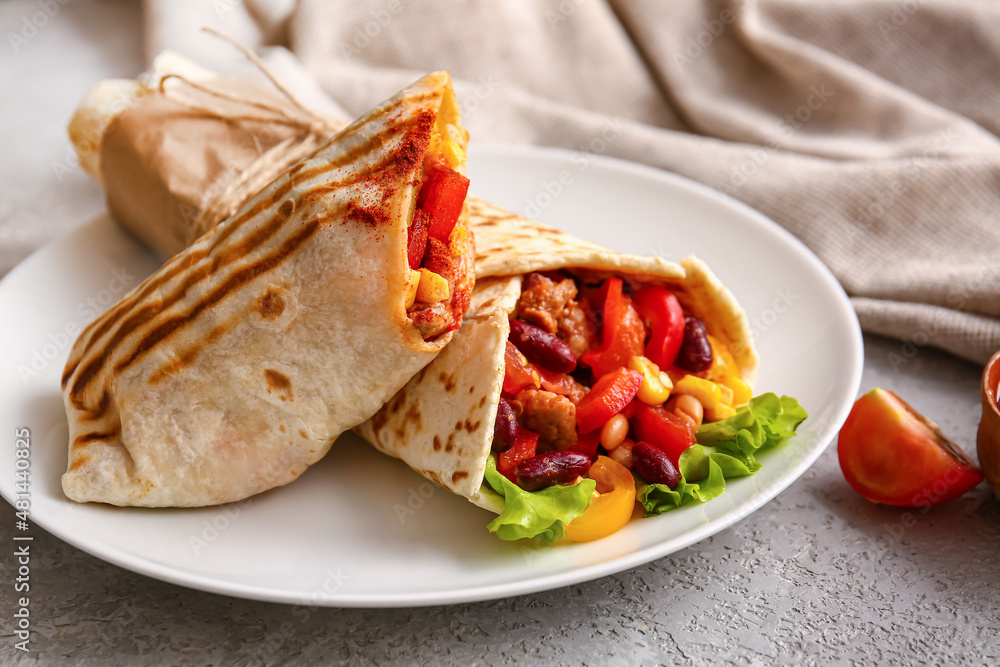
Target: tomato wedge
{"points": [[892, 454], [609, 395], [442, 195], [663, 311], [610, 510], [664, 430], [524, 448]]}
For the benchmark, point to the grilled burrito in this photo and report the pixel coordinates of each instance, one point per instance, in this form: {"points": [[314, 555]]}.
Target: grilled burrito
{"points": [[234, 366], [482, 408]]}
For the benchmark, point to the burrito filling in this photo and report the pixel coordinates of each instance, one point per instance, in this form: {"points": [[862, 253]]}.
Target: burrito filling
{"points": [[617, 387], [440, 283]]}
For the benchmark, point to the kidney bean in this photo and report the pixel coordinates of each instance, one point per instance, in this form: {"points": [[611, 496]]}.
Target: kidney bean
{"points": [[653, 465], [695, 354], [505, 428], [541, 347], [544, 470]]}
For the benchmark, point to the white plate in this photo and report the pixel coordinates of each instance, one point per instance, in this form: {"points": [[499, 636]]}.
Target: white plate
{"points": [[360, 529]]}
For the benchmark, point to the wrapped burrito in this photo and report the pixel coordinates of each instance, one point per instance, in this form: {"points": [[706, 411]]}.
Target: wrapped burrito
{"points": [[234, 366], [582, 379], [465, 422]]}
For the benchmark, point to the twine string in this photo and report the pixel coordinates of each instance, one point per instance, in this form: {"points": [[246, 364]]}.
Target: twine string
{"points": [[312, 127]]}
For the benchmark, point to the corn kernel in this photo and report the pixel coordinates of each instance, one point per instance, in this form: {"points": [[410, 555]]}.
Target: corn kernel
{"points": [[453, 153], [719, 412], [652, 390], [411, 287], [726, 394], [432, 287], [742, 393], [436, 145], [459, 240], [706, 391]]}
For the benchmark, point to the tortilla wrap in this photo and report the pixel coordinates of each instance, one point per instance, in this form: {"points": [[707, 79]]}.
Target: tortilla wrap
{"points": [[441, 422], [233, 367]]}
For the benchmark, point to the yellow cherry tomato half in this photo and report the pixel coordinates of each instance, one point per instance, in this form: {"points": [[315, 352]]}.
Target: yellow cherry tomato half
{"points": [[611, 509]]}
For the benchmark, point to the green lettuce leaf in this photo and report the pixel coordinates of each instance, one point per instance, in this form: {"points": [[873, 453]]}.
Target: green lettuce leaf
{"points": [[725, 449], [543, 514]]}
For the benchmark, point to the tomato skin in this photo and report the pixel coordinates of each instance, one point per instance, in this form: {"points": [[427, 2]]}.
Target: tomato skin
{"points": [[609, 395], [609, 511], [518, 372], [442, 196], [664, 430], [891, 454], [524, 448], [623, 333], [663, 311], [557, 383]]}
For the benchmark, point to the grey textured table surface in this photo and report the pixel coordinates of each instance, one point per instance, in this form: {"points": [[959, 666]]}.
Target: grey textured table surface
{"points": [[816, 576]]}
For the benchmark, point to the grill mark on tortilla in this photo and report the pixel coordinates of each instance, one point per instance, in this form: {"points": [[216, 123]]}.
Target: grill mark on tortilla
{"points": [[147, 313], [458, 476], [176, 324], [70, 367], [173, 267], [418, 126], [187, 357], [93, 436]]}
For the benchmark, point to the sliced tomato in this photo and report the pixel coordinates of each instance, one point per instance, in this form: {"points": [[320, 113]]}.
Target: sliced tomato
{"points": [[610, 510], [442, 195], [892, 454], [524, 447], [609, 395], [659, 307], [519, 373], [416, 239], [664, 430], [623, 333], [557, 383]]}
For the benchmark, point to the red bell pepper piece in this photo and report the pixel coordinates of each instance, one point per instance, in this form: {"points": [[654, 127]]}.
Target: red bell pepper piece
{"points": [[664, 430], [524, 448], [608, 397], [442, 196], [663, 311], [587, 444], [416, 239], [518, 374], [623, 333]]}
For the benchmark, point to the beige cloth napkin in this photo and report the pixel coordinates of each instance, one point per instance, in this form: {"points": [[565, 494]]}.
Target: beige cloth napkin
{"points": [[865, 127]]}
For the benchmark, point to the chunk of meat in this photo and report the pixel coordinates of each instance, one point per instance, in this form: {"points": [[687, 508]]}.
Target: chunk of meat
{"points": [[431, 320], [578, 327], [543, 300], [551, 416]]}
